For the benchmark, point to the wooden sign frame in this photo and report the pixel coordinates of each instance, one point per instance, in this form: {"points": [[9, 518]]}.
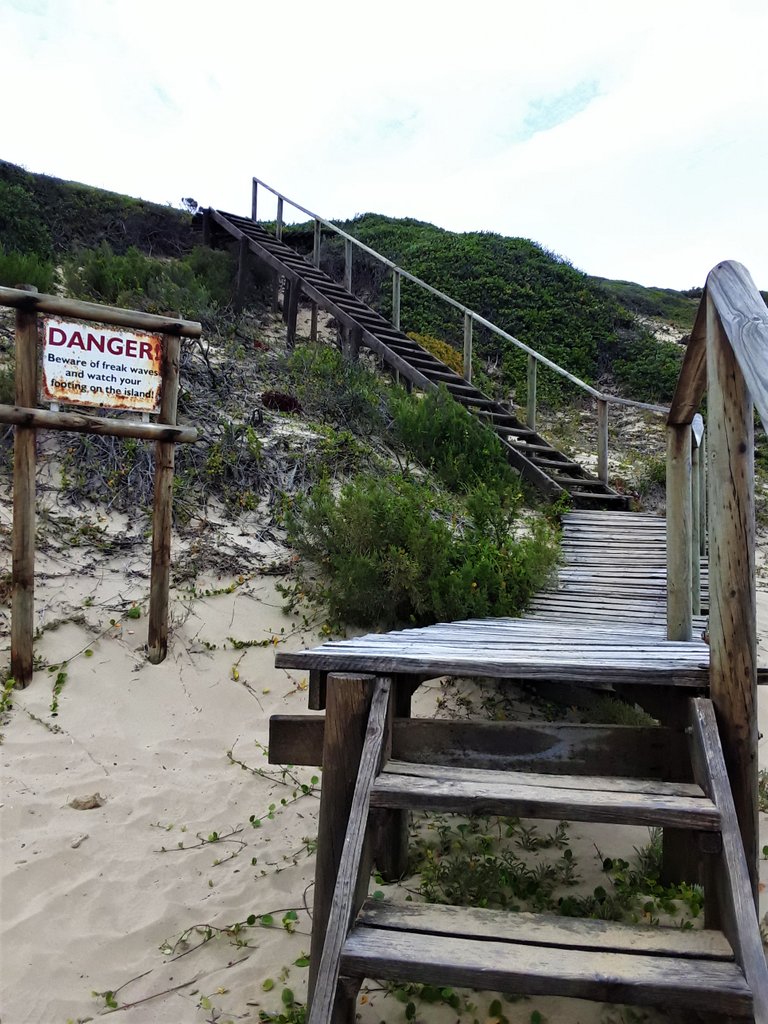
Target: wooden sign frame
{"points": [[27, 419]]}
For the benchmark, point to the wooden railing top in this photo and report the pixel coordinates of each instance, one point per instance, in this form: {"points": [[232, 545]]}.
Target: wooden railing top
{"points": [[476, 317], [731, 294], [36, 302]]}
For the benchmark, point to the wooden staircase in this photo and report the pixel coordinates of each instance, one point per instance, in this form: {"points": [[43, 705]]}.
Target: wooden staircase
{"points": [[719, 971], [547, 469]]}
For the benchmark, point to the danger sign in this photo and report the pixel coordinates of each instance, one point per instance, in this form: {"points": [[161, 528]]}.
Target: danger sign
{"points": [[89, 365]]}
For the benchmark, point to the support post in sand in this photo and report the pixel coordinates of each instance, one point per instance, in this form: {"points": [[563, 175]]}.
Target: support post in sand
{"points": [[24, 465], [602, 440], [291, 312], [348, 703], [468, 348], [679, 603], [242, 273], [162, 512], [530, 394], [317, 239]]}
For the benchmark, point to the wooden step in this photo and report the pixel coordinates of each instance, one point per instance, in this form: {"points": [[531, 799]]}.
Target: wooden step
{"points": [[512, 794], [533, 954]]}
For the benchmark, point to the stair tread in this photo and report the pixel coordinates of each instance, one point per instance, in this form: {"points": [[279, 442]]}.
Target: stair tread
{"points": [[545, 929], [715, 985], [477, 791]]}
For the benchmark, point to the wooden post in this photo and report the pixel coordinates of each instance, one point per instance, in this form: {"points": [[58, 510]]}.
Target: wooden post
{"points": [[396, 299], [703, 495], [348, 264], [207, 227], [162, 512], [468, 348], [348, 699], [315, 263], [254, 198], [530, 394], [24, 467], [679, 532], [275, 292], [242, 274], [732, 606], [351, 339], [287, 288], [292, 313], [389, 828], [279, 219], [602, 440], [695, 528]]}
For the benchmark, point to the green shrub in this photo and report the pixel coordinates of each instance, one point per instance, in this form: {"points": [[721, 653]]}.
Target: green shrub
{"points": [[384, 554], [25, 268], [447, 439], [441, 350], [22, 227], [174, 286], [337, 391], [648, 369]]}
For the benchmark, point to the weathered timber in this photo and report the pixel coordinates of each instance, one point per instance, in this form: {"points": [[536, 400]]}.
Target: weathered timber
{"points": [[16, 298], [24, 468], [348, 700], [621, 750], [478, 796], [352, 876], [162, 509], [83, 424], [679, 604], [670, 982], [732, 602], [735, 886]]}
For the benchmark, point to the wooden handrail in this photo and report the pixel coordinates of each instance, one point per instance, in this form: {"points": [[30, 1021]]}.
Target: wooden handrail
{"points": [[469, 314], [727, 357]]}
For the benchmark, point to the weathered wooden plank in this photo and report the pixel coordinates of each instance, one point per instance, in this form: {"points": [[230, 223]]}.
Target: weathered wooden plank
{"points": [[735, 886], [162, 509], [347, 896], [545, 930], [83, 424], [713, 986], [513, 799], [618, 750], [349, 700], [17, 298], [596, 783], [732, 609], [24, 487]]}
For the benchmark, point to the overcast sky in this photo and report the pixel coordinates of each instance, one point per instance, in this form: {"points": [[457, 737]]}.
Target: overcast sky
{"points": [[632, 138]]}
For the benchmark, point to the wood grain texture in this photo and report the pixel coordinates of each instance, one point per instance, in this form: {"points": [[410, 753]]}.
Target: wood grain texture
{"points": [[81, 423], [487, 796], [348, 699], [735, 886], [351, 873], [670, 982], [545, 930], [17, 298], [23, 535], [162, 509], [618, 750], [679, 604], [732, 608], [692, 382]]}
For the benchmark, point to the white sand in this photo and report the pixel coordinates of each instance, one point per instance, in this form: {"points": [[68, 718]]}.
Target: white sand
{"points": [[88, 899]]}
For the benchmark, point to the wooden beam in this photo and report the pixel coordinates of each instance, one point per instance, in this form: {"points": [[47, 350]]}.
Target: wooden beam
{"points": [[162, 510], [468, 347], [692, 382], [23, 536], [16, 298], [647, 752], [242, 273], [732, 603], [530, 394], [348, 264], [254, 198], [349, 700], [602, 440], [396, 299], [679, 607], [81, 423]]}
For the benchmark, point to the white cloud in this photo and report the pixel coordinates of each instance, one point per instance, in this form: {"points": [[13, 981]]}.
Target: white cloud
{"points": [[629, 138]]}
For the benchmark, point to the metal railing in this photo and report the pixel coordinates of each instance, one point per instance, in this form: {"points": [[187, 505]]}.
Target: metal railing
{"points": [[471, 317]]}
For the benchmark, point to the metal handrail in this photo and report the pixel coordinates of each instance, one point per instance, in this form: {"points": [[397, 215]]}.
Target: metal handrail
{"points": [[476, 317]]}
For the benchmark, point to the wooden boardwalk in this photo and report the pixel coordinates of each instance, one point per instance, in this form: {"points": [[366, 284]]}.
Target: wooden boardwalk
{"points": [[604, 620]]}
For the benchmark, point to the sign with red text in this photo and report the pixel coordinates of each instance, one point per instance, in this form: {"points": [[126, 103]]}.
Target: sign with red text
{"points": [[101, 366]]}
